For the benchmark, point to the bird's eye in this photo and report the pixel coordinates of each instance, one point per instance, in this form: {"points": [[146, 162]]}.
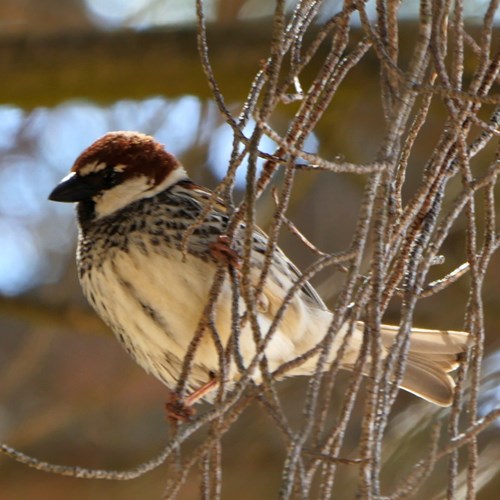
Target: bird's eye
{"points": [[109, 177]]}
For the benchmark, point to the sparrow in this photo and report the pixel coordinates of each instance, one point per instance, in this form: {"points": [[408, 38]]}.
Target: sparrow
{"points": [[134, 204]]}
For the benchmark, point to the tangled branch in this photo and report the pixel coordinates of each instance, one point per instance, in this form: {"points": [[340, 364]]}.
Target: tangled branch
{"points": [[398, 237]]}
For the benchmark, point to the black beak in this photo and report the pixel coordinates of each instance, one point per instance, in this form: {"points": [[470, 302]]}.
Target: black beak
{"points": [[73, 188]]}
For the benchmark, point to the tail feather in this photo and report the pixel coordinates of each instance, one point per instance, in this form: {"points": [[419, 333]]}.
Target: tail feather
{"points": [[428, 381], [432, 355], [431, 342]]}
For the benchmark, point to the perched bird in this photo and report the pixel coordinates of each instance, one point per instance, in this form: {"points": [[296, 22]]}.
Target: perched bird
{"points": [[134, 204]]}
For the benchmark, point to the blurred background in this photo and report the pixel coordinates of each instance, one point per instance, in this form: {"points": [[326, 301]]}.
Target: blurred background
{"points": [[73, 70]]}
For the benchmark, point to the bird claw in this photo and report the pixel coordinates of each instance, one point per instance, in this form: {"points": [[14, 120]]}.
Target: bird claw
{"points": [[181, 410], [222, 252], [178, 410]]}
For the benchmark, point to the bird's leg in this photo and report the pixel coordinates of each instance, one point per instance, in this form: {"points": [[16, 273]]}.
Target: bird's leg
{"points": [[201, 392], [181, 410], [221, 251]]}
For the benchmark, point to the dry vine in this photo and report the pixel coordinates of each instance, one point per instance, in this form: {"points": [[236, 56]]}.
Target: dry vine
{"points": [[396, 241]]}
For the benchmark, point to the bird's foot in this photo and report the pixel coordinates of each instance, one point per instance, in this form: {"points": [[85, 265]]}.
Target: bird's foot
{"points": [[177, 409], [181, 410]]}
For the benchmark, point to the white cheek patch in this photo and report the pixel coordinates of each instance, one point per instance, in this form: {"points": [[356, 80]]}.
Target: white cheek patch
{"points": [[175, 176], [113, 199], [133, 189]]}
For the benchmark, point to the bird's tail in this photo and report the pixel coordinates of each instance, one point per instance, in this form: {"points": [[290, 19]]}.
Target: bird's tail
{"points": [[432, 355]]}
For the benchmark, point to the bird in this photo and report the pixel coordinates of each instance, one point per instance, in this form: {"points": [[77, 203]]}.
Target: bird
{"points": [[150, 284]]}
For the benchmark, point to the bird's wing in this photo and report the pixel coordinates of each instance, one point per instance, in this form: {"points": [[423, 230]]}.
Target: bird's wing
{"points": [[283, 266], [287, 268]]}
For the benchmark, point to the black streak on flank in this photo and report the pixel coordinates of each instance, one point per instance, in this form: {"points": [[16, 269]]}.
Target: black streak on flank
{"points": [[151, 312]]}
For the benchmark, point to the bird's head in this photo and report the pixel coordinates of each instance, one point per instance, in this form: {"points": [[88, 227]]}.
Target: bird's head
{"points": [[116, 170]]}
